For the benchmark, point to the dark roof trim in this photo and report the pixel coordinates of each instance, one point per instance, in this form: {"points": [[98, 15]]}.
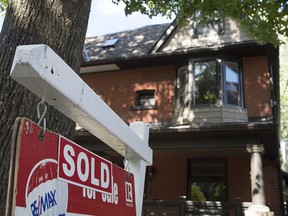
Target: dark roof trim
{"points": [[166, 35], [171, 54]]}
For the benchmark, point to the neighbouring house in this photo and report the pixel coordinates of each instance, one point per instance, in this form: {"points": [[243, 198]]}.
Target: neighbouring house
{"points": [[210, 95]]}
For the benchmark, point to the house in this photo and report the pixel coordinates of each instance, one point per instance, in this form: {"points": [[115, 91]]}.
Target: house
{"points": [[210, 95]]}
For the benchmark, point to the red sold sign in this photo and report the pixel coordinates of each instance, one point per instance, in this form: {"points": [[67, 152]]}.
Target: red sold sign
{"points": [[78, 166], [55, 176]]}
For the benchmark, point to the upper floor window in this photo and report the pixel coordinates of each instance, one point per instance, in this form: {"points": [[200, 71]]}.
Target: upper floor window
{"points": [[144, 99], [208, 25], [209, 82], [232, 84], [206, 83]]}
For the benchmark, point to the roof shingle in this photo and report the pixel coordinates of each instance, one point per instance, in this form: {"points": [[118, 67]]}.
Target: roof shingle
{"points": [[130, 43]]}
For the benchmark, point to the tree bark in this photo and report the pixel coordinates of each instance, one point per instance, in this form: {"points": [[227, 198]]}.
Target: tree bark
{"points": [[62, 25]]}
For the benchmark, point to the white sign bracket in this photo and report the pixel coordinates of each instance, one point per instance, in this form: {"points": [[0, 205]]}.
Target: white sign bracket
{"points": [[38, 67]]}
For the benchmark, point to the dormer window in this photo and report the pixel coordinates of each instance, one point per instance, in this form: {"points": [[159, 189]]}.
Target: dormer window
{"points": [[110, 42], [207, 26]]}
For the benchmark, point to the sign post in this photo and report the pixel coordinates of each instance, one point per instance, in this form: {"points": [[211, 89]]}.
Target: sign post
{"points": [[138, 166], [43, 72]]}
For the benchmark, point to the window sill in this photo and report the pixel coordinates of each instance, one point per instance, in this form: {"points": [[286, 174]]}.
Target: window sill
{"points": [[135, 108]]}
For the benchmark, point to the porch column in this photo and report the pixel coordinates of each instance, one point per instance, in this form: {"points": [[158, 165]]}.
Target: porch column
{"points": [[257, 184]]}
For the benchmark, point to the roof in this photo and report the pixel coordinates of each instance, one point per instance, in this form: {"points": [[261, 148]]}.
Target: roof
{"points": [[130, 43], [154, 41]]}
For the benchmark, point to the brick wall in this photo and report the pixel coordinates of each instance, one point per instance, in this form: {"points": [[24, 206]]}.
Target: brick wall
{"points": [[257, 86], [272, 187], [118, 89]]}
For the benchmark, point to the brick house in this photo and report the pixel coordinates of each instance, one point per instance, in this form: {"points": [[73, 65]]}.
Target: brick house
{"points": [[209, 94]]}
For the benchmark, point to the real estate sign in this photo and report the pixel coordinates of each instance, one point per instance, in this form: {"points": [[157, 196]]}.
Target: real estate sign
{"points": [[55, 176]]}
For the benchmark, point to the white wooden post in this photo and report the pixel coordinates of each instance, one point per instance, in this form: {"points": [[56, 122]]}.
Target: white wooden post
{"points": [[138, 166], [43, 72]]}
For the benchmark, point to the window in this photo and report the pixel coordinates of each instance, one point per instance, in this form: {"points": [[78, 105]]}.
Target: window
{"points": [[232, 83], [206, 26], [110, 42], [212, 82], [206, 78], [207, 180], [144, 100], [184, 91]]}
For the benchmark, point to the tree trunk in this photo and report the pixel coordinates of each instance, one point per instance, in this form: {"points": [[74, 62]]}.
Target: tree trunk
{"points": [[61, 24]]}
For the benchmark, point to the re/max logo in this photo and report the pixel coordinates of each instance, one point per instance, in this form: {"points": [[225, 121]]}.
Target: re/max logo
{"points": [[43, 203]]}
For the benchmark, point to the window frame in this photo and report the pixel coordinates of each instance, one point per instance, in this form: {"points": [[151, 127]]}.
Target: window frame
{"points": [[184, 91], [141, 93], [240, 77], [200, 27], [222, 90], [218, 82], [207, 178]]}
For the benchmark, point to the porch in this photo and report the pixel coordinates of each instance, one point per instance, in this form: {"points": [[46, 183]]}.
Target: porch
{"points": [[189, 208]]}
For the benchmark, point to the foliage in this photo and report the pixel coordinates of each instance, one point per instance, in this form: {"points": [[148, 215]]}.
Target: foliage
{"points": [[197, 194], [284, 90], [207, 91], [217, 191], [263, 20], [3, 6]]}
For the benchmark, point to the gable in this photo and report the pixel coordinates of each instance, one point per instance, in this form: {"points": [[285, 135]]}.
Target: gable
{"points": [[186, 38]]}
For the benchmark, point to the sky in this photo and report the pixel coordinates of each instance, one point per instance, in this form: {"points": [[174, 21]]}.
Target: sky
{"points": [[106, 17]]}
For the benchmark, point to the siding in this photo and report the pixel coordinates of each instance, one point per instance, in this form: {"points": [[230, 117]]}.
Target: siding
{"points": [[184, 38]]}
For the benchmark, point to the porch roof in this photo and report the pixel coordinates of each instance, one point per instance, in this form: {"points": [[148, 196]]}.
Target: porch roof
{"points": [[217, 137]]}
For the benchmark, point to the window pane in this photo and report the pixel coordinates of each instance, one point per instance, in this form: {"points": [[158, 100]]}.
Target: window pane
{"points": [[183, 99], [206, 88], [232, 83], [145, 98], [209, 25], [208, 191], [208, 169], [208, 180]]}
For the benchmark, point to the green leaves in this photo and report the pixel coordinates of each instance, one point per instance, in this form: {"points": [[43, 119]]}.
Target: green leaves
{"points": [[3, 6], [263, 20], [284, 91]]}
